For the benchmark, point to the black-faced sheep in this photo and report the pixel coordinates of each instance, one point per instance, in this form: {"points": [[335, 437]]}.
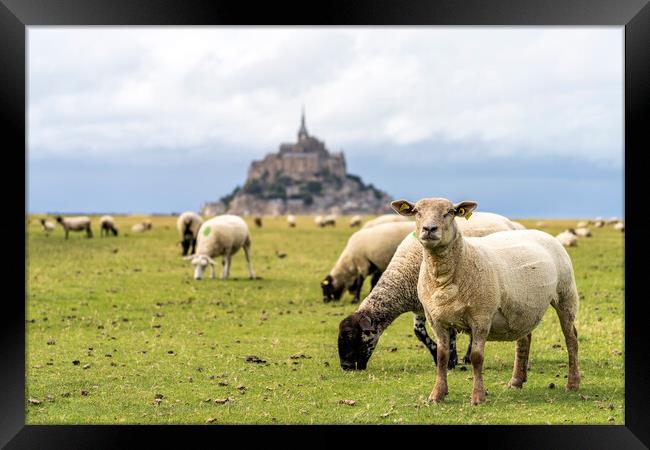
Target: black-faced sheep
{"points": [[47, 226], [497, 287], [396, 293], [221, 236], [187, 225], [355, 221], [568, 238], [291, 220], [79, 223], [107, 226]]}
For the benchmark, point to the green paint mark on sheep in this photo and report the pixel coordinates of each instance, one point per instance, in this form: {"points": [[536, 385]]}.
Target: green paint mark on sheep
{"points": [[206, 231]]}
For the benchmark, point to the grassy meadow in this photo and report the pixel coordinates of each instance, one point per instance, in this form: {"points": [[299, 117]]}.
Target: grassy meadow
{"points": [[118, 332]]}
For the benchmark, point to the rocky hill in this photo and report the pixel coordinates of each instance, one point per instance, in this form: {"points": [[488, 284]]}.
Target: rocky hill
{"points": [[301, 178]]}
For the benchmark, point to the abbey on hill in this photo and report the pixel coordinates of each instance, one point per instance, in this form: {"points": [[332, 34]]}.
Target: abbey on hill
{"points": [[301, 178]]}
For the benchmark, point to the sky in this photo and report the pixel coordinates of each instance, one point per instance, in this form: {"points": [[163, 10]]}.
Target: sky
{"points": [[527, 121]]}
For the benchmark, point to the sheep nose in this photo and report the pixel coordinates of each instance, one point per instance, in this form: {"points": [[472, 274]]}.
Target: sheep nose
{"points": [[430, 229]]}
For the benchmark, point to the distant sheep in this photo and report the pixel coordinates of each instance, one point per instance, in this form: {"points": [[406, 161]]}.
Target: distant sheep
{"points": [[540, 224], [582, 224], [583, 232], [385, 219], [291, 220], [329, 220], [48, 226], [568, 238], [107, 225], [355, 221], [619, 226], [141, 227], [497, 287], [187, 225], [258, 221], [221, 236], [79, 223], [318, 220]]}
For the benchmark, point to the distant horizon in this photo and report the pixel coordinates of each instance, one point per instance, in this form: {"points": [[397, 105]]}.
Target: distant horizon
{"points": [[528, 121]]}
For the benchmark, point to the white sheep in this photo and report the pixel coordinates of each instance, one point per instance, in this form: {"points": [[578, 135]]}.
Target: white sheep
{"points": [[498, 287], [329, 220], [141, 227], [619, 226], [568, 238], [291, 220], [79, 223], [355, 221], [386, 218], [582, 224], [187, 225], [367, 252], [221, 236], [540, 224], [583, 232], [48, 226], [318, 220], [396, 293], [107, 225]]}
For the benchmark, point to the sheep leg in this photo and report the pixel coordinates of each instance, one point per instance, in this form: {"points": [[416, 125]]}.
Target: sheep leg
{"points": [[521, 362], [228, 261], [251, 274], [223, 268], [89, 232], [357, 291], [467, 359], [66, 233], [479, 335], [571, 339], [420, 331], [375, 278], [213, 272], [193, 246], [440, 388]]}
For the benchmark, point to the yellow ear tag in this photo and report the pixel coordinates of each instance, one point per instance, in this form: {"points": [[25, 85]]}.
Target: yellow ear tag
{"points": [[461, 211], [468, 216], [405, 206]]}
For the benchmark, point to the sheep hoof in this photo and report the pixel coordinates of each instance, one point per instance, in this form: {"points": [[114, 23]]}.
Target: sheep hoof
{"points": [[437, 396], [572, 386], [478, 397], [516, 383]]}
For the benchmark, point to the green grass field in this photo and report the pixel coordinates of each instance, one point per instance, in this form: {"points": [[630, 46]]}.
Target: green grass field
{"points": [[119, 332]]}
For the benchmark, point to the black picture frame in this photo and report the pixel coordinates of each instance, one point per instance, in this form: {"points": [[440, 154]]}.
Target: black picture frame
{"points": [[16, 15]]}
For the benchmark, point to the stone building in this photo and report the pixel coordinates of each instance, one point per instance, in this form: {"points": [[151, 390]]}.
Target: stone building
{"points": [[303, 177]]}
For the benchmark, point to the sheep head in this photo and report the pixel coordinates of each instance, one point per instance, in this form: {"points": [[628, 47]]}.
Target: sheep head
{"points": [[434, 219], [200, 262], [331, 291], [358, 337]]}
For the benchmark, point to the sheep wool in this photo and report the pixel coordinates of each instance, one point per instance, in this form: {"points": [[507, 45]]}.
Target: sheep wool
{"points": [[291, 220], [396, 293], [385, 219], [583, 232], [567, 238], [355, 221], [221, 236], [187, 225], [79, 223]]}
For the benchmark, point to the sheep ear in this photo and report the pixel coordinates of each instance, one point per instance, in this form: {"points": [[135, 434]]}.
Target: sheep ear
{"points": [[464, 209], [403, 207], [365, 323]]}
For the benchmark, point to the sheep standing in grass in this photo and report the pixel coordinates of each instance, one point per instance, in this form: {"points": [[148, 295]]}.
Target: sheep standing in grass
{"points": [[329, 220], [583, 232], [187, 225], [355, 221], [386, 218], [79, 223], [396, 293], [498, 287], [107, 225], [291, 220], [47, 226], [221, 236], [619, 226], [318, 220], [582, 224], [568, 238], [367, 252]]}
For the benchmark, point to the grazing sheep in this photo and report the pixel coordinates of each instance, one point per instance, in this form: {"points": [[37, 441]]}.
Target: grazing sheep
{"points": [[318, 220], [329, 220], [582, 224], [385, 219], [291, 220], [568, 238], [540, 224], [107, 225], [79, 223], [498, 287], [355, 221], [48, 226], [620, 226], [188, 224], [258, 221], [367, 252], [221, 236], [582, 232], [396, 293], [598, 222]]}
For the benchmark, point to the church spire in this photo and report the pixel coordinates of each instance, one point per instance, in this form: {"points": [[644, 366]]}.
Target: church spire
{"points": [[302, 132]]}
